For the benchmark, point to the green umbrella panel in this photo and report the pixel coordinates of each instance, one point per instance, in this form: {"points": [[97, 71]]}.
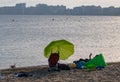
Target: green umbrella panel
{"points": [[63, 47]]}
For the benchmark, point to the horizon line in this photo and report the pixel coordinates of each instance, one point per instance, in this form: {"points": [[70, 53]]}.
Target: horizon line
{"points": [[59, 5]]}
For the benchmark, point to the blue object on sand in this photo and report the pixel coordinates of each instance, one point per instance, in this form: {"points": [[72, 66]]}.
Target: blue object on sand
{"points": [[80, 64]]}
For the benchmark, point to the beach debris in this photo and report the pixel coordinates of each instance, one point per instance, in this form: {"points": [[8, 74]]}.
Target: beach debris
{"points": [[22, 74], [1, 76]]}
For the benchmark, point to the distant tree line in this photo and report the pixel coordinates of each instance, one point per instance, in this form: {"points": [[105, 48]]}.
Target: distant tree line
{"points": [[44, 9]]}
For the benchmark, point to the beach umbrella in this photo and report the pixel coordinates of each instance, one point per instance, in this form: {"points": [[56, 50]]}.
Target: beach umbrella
{"points": [[63, 47]]}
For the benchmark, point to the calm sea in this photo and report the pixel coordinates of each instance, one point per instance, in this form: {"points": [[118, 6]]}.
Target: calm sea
{"points": [[23, 38]]}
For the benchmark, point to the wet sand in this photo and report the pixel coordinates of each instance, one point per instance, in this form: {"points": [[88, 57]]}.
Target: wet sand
{"points": [[111, 73]]}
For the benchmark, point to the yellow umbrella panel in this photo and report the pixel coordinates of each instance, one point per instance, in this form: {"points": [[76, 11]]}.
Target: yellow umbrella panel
{"points": [[64, 47]]}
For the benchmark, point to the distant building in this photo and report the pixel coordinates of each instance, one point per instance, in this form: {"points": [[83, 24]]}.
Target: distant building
{"points": [[20, 8]]}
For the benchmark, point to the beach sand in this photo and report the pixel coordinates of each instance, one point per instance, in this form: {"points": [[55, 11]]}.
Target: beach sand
{"points": [[111, 73]]}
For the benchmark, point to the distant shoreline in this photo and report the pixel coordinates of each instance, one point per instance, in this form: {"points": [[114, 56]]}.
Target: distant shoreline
{"points": [[44, 9], [55, 15]]}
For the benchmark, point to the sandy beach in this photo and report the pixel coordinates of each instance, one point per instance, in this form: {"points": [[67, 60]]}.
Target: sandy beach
{"points": [[111, 73]]}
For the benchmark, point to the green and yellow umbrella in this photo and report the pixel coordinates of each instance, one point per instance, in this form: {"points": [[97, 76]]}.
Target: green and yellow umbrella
{"points": [[63, 47]]}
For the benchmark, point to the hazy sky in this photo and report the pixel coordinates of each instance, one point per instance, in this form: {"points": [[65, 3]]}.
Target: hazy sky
{"points": [[67, 3]]}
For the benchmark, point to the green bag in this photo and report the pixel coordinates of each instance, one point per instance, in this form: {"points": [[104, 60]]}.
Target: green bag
{"points": [[98, 60]]}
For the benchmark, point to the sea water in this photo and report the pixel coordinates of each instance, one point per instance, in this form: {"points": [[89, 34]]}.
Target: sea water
{"points": [[24, 37]]}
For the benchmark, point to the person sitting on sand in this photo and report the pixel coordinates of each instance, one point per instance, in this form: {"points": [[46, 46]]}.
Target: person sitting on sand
{"points": [[85, 60], [53, 62]]}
